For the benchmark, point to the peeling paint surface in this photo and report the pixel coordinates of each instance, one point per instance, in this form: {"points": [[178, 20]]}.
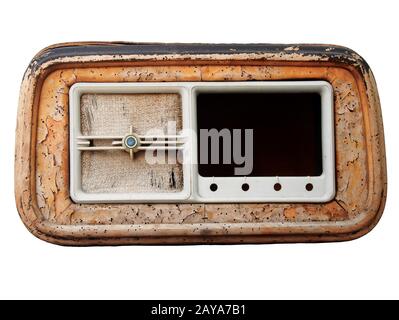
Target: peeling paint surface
{"points": [[359, 150]]}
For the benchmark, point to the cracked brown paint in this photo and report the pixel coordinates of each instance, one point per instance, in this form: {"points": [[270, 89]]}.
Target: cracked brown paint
{"points": [[42, 170]]}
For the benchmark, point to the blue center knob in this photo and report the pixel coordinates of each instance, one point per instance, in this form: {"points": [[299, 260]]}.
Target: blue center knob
{"points": [[131, 142]]}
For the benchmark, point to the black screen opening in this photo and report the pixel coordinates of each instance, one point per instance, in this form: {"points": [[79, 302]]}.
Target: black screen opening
{"points": [[286, 132]]}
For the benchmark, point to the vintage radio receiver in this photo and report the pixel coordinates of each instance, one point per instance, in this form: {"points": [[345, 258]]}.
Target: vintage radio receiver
{"points": [[122, 143]]}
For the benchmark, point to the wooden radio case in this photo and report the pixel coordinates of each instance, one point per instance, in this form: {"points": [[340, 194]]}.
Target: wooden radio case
{"points": [[319, 172]]}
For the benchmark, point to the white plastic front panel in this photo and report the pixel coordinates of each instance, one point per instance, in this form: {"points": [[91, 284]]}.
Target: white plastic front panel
{"points": [[197, 188]]}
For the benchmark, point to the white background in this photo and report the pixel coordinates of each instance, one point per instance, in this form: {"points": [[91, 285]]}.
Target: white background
{"points": [[365, 268]]}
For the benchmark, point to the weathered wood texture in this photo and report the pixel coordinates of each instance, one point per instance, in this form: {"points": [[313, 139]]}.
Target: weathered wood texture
{"points": [[42, 170]]}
